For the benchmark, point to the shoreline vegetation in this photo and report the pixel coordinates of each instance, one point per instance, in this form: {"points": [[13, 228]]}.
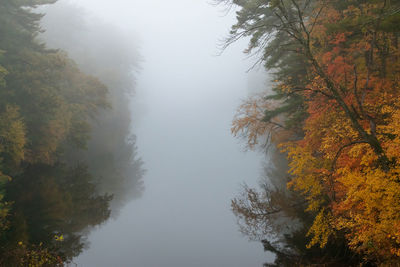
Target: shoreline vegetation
{"points": [[331, 196], [68, 159]]}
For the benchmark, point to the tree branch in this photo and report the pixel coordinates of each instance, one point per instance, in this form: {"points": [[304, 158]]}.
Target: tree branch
{"points": [[333, 166]]}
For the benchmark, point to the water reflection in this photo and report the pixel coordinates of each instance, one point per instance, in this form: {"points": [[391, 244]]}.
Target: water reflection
{"points": [[81, 163], [103, 51], [54, 200]]}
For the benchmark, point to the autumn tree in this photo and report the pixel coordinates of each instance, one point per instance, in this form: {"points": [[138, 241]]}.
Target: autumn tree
{"points": [[345, 160], [65, 136], [46, 105], [111, 153]]}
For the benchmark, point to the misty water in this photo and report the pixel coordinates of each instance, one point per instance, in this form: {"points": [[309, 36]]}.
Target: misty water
{"points": [[186, 96], [199, 133]]}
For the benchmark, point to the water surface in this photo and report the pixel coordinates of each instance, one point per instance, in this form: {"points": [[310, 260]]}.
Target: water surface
{"points": [[186, 98]]}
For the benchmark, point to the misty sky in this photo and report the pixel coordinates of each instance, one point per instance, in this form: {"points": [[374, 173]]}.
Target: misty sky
{"points": [[185, 101]]}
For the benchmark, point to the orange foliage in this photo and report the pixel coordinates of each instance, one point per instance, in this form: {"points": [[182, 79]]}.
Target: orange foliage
{"points": [[347, 163], [249, 123], [337, 165]]}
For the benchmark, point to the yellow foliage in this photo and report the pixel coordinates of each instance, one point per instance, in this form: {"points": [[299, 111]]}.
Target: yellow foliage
{"points": [[321, 229], [347, 164], [370, 210]]}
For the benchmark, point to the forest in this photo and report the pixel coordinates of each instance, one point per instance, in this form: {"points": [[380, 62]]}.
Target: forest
{"points": [[330, 127], [327, 124], [67, 153]]}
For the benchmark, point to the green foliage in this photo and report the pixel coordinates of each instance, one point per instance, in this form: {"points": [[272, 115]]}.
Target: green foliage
{"points": [[12, 135], [111, 152], [55, 98], [3, 73], [54, 199], [63, 150], [47, 108], [279, 53]]}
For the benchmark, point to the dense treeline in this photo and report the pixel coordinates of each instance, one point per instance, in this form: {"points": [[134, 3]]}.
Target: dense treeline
{"points": [[105, 52], [50, 113], [334, 114]]}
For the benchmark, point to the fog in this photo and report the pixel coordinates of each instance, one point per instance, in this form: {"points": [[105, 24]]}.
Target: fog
{"points": [[185, 98]]}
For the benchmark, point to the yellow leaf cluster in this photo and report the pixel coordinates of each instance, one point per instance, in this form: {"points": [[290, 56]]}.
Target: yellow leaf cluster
{"points": [[370, 210]]}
